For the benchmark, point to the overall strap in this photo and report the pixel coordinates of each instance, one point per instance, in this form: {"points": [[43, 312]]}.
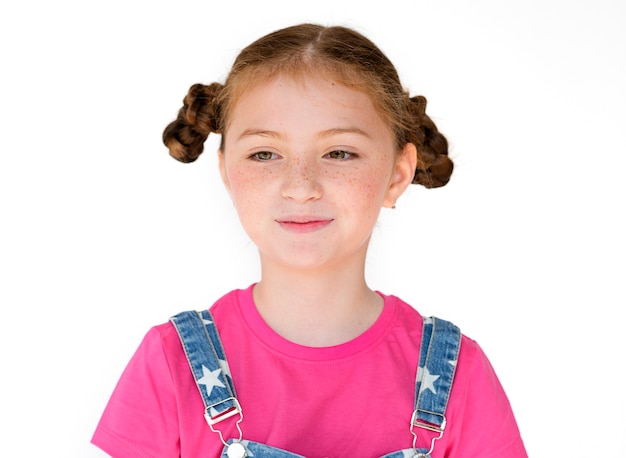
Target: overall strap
{"points": [[439, 351], [207, 360]]}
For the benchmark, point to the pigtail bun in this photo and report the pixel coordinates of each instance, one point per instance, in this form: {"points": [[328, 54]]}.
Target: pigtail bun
{"points": [[434, 167], [199, 116]]}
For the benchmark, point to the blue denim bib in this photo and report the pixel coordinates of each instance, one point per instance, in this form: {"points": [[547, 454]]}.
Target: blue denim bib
{"points": [[439, 351]]}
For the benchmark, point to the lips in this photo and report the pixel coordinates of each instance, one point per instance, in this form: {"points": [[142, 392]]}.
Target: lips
{"points": [[304, 224]]}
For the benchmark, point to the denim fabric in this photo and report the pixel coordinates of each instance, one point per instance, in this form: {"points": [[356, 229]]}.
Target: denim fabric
{"points": [[437, 363], [438, 357], [207, 360], [261, 451], [265, 451]]}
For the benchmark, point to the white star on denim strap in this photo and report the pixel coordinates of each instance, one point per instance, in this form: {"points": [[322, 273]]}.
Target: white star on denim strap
{"points": [[210, 379], [427, 379]]}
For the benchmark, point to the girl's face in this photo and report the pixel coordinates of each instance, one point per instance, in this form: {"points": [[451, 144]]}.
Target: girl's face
{"points": [[309, 164]]}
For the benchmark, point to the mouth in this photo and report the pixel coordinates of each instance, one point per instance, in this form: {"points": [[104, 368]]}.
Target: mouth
{"points": [[304, 224]]}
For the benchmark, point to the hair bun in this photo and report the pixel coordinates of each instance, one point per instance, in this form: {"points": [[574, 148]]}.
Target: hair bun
{"points": [[199, 116], [434, 167]]}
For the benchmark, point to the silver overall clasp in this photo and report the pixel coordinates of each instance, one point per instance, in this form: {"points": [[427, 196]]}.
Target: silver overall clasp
{"points": [[417, 423], [236, 449]]}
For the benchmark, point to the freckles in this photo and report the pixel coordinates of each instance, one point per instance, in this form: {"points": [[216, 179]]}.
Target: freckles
{"points": [[363, 190], [248, 180], [251, 190]]}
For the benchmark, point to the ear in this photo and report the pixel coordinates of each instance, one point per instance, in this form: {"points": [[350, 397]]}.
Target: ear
{"points": [[402, 176], [222, 166]]}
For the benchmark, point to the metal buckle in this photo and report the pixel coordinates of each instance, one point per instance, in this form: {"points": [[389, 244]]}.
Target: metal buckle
{"points": [[416, 422], [213, 420]]}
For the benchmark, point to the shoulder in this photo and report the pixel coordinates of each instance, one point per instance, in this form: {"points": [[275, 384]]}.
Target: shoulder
{"points": [[161, 341], [474, 370], [480, 408], [164, 336], [473, 360]]}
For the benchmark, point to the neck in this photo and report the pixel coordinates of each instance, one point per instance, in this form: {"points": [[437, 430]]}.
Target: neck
{"points": [[323, 308]]}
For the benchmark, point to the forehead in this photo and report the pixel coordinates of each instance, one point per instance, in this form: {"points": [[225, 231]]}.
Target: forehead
{"points": [[301, 72], [313, 103], [310, 87]]}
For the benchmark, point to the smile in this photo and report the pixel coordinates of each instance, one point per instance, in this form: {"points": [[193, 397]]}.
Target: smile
{"points": [[303, 225]]}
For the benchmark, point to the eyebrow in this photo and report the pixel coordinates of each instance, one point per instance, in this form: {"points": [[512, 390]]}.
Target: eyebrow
{"points": [[322, 134], [343, 130], [261, 133]]}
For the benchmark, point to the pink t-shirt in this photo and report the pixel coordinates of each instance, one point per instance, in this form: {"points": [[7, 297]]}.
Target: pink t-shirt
{"points": [[350, 400]]}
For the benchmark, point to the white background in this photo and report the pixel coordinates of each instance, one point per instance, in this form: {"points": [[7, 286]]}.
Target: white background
{"points": [[104, 235]]}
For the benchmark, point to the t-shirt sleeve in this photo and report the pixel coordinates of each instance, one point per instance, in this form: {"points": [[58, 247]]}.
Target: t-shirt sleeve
{"points": [[484, 423], [140, 419]]}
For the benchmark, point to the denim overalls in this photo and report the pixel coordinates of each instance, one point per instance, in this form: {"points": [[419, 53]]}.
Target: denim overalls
{"points": [[439, 350]]}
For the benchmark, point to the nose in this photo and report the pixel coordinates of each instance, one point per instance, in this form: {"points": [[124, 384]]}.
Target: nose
{"points": [[301, 181]]}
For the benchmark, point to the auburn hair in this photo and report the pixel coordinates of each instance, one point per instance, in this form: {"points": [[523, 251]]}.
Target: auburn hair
{"points": [[344, 55]]}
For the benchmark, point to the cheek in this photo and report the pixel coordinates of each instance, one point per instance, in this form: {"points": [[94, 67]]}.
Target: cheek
{"points": [[247, 187], [365, 192], [373, 182]]}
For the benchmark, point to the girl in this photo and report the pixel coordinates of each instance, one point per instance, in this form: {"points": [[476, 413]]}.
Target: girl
{"points": [[318, 135]]}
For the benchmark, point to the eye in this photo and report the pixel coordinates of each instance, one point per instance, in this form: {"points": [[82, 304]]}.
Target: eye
{"points": [[263, 156], [340, 155]]}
